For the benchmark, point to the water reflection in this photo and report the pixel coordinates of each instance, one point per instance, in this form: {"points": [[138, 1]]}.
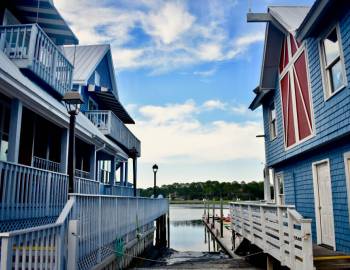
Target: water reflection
{"points": [[187, 232]]}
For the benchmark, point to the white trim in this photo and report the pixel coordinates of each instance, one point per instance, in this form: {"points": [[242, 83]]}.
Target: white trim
{"points": [[278, 197], [347, 178], [324, 69], [270, 121], [317, 199], [289, 69]]}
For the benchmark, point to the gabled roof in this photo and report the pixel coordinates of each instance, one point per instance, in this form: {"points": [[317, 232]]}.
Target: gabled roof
{"points": [[86, 58], [290, 17], [280, 21]]}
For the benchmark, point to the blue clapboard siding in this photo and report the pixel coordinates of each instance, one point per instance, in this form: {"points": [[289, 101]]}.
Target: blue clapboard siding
{"points": [[332, 117], [298, 183], [105, 81]]}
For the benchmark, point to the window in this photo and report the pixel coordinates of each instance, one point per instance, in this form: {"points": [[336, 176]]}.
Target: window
{"points": [[333, 68], [295, 93], [92, 105], [97, 79], [272, 120]]}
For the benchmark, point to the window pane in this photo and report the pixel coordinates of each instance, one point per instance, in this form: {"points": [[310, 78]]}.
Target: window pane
{"points": [[336, 76], [331, 47]]}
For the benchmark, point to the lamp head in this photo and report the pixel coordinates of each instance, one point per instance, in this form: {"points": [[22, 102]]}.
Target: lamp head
{"points": [[72, 100], [155, 168]]}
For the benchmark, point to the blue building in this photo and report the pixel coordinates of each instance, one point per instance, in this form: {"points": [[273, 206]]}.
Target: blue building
{"points": [[304, 93], [42, 226]]}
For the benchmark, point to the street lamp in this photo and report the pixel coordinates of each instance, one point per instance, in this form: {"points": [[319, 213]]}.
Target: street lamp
{"points": [[72, 100], [155, 169]]}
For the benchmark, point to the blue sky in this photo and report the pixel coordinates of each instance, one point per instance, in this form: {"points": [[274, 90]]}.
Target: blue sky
{"points": [[185, 71]]}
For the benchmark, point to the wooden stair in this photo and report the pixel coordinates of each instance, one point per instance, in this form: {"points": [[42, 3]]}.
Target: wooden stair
{"points": [[328, 259]]}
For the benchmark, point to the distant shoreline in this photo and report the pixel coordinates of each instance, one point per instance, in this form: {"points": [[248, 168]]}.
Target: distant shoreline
{"points": [[197, 202]]}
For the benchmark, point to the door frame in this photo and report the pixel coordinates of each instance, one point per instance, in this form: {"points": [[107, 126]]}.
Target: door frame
{"points": [[317, 199], [347, 178], [279, 199]]}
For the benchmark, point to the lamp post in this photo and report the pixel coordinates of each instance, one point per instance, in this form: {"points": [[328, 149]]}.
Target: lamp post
{"points": [[155, 169], [72, 100]]}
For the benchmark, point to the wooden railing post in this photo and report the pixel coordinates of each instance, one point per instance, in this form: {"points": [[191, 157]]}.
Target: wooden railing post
{"points": [[73, 244], [291, 240], [6, 253], [263, 227], [307, 245], [250, 218], [281, 235], [48, 193]]}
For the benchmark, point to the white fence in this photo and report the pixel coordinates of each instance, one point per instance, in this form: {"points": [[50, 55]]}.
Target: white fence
{"points": [[278, 230], [26, 192], [110, 124], [42, 247], [104, 219]]}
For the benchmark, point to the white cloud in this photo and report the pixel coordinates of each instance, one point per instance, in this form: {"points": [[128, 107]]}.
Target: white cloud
{"points": [[173, 36], [169, 22], [205, 73], [214, 104], [174, 133]]}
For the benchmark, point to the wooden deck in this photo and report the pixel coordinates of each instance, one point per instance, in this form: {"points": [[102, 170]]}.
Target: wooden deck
{"points": [[325, 258]]}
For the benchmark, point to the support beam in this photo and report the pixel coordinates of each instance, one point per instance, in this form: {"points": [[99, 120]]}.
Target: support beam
{"points": [[15, 130], [134, 174], [112, 178], [267, 188], [64, 151], [122, 173], [126, 173], [93, 163]]}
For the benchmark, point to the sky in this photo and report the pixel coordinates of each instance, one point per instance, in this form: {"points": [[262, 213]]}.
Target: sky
{"points": [[185, 72]]}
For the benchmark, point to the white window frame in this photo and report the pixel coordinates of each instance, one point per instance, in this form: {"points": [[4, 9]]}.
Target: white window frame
{"points": [[279, 197], [287, 69], [325, 69], [272, 122], [347, 177], [97, 78]]}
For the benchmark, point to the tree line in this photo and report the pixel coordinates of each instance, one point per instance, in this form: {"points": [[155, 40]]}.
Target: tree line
{"points": [[211, 190]]}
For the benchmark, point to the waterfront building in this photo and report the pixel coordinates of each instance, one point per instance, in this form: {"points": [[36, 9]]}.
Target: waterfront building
{"points": [[41, 225], [304, 94]]}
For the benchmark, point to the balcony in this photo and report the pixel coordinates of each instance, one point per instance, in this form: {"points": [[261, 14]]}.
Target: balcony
{"points": [[110, 125], [34, 52]]}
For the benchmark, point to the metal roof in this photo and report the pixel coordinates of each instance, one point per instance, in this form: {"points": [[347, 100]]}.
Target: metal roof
{"points": [[87, 58], [46, 15], [290, 17]]}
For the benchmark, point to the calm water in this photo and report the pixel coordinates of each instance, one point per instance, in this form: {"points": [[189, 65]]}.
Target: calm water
{"points": [[187, 232]]}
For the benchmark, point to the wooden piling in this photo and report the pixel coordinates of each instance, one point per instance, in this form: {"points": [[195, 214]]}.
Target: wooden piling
{"points": [[221, 219]]}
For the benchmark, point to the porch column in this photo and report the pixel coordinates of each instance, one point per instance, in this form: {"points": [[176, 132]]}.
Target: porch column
{"points": [[64, 151], [126, 173], [121, 173], [93, 163], [267, 189], [112, 178], [15, 130], [134, 173]]}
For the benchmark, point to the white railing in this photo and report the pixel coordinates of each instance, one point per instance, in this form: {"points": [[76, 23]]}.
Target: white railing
{"points": [[27, 192], [45, 164], [82, 174], [104, 219], [30, 48], [86, 186], [278, 230], [111, 125], [42, 247], [118, 190]]}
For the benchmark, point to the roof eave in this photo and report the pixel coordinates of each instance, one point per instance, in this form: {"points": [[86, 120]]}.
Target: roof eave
{"points": [[311, 19]]}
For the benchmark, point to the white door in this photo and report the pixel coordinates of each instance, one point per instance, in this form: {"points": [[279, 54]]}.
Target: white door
{"points": [[324, 204]]}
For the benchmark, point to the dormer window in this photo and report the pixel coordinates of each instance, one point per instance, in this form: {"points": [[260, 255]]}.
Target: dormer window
{"points": [[272, 121], [332, 62], [295, 92], [97, 80]]}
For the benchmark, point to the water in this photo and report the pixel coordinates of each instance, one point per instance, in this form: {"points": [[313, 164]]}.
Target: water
{"points": [[187, 232]]}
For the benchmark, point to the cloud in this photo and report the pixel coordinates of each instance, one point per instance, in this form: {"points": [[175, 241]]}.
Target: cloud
{"points": [[174, 133], [214, 104], [205, 73], [159, 35]]}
